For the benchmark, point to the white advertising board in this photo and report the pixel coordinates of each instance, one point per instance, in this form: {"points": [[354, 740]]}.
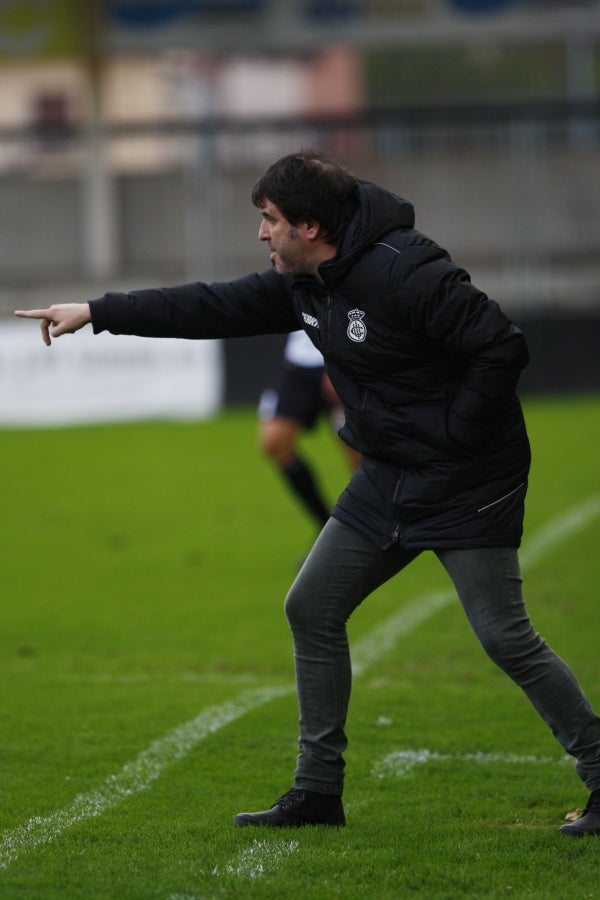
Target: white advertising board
{"points": [[86, 378]]}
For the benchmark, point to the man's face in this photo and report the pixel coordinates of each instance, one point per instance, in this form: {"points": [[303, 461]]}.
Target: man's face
{"points": [[292, 252]]}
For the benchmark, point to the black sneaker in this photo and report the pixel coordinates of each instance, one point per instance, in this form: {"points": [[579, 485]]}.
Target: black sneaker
{"points": [[298, 808], [588, 822]]}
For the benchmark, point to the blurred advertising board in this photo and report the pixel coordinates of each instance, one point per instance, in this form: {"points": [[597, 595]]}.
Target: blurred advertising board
{"points": [[91, 378]]}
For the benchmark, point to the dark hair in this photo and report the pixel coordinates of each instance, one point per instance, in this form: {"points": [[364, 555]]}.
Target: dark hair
{"points": [[309, 186]]}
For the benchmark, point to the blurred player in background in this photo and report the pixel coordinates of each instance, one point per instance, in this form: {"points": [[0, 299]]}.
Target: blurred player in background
{"points": [[302, 394]]}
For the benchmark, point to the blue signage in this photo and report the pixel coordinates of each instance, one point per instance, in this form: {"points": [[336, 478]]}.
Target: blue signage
{"points": [[155, 13], [484, 6]]}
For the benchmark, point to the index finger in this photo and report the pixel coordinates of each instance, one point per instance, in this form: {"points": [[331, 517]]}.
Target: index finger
{"points": [[33, 313]]}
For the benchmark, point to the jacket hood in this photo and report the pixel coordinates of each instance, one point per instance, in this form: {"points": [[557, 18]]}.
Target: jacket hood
{"points": [[378, 213]]}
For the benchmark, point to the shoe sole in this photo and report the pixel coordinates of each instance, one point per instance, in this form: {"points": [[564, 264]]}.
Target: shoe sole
{"points": [[243, 821], [578, 832]]}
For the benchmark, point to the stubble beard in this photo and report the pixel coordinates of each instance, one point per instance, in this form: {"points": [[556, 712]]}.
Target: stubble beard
{"points": [[289, 264]]}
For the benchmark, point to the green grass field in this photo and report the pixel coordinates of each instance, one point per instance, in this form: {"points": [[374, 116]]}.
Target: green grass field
{"points": [[147, 681]]}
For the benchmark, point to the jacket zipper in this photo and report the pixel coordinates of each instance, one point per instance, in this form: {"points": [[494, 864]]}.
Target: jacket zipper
{"points": [[329, 321], [393, 536]]}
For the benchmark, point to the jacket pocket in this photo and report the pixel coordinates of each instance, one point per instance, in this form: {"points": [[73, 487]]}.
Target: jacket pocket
{"points": [[505, 498], [439, 484]]}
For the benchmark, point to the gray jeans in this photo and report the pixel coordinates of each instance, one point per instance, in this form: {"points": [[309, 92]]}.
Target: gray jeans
{"points": [[342, 569]]}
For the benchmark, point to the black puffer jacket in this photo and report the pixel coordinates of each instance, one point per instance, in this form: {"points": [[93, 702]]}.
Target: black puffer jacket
{"points": [[426, 366]]}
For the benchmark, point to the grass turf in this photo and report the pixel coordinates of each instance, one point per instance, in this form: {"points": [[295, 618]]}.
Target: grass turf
{"points": [[144, 570]]}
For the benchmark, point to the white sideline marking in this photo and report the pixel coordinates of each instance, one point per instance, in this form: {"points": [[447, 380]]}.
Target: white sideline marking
{"points": [[137, 776], [259, 857], [185, 897], [558, 529], [400, 763], [384, 636]]}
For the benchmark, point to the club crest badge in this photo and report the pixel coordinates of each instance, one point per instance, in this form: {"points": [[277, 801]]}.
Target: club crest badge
{"points": [[357, 330]]}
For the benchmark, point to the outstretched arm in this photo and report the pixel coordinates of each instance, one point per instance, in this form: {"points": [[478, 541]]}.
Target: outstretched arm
{"points": [[254, 304], [61, 318]]}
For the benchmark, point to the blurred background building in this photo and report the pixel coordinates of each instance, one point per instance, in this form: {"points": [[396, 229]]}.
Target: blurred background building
{"points": [[131, 132]]}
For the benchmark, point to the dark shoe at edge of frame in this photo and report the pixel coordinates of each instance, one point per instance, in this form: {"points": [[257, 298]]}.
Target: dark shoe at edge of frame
{"points": [[589, 820], [296, 809]]}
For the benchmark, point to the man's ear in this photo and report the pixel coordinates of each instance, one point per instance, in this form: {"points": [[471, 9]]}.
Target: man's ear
{"points": [[313, 230]]}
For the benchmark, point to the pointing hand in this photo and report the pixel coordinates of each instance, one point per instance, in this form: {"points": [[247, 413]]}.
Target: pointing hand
{"points": [[61, 318]]}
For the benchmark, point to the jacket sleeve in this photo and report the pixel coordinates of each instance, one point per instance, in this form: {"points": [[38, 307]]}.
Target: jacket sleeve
{"points": [[255, 304], [487, 349]]}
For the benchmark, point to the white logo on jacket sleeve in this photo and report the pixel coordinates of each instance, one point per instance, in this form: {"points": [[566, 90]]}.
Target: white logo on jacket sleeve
{"points": [[357, 330], [310, 320]]}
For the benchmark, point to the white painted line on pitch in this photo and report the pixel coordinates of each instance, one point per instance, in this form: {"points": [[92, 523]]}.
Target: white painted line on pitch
{"points": [[558, 529], [384, 636], [257, 859], [400, 763], [185, 897], [137, 776]]}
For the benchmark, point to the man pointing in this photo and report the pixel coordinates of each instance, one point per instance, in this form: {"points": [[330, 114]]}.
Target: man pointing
{"points": [[426, 366]]}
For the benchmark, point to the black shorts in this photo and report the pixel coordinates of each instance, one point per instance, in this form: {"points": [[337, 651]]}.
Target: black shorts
{"points": [[298, 395]]}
